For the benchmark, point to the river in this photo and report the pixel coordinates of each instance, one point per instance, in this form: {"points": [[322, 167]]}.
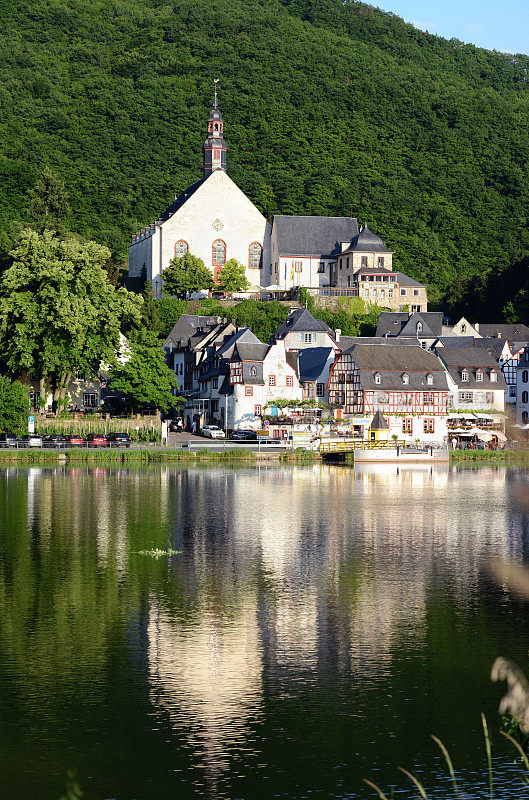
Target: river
{"points": [[313, 626]]}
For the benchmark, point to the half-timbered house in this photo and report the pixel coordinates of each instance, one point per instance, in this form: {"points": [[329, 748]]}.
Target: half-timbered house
{"points": [[406, 384]]}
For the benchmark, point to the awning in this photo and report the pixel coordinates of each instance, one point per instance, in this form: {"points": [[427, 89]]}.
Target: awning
{"points": [[500, 436], [470, 415], [484, 436]]}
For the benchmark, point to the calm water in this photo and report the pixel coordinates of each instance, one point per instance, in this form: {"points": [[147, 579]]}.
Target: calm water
{"points": [[317, 626]]}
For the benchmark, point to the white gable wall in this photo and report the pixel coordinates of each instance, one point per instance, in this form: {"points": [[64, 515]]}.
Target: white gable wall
{"points": [[217, 210]]}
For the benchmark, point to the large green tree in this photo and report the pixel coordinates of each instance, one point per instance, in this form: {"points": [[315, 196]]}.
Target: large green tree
{"points": [[145, 378], [186, 274], [232, 277], [14, 406], [59, 313]]}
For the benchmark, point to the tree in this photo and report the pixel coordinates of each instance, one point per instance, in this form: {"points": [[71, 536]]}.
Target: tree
{"points": [[58, 311], [186, 274], [48, 204], [14, 406], [145, 378], [232, 277]]}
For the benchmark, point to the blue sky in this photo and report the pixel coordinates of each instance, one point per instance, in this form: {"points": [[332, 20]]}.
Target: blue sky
{"points": [[486, 23]]}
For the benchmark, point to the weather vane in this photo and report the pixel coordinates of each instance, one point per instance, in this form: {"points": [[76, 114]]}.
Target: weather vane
{"points": [[215, 81]]}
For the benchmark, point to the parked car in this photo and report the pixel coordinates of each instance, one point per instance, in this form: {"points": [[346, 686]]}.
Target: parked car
{"points": [[74, 440], [244, 435], [119, 440], [213, 432], [31, 440], [54, 440], [96, 440], [176, 425], [8, 439]]}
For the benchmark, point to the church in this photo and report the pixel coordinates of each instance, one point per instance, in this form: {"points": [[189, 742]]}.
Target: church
{"points": [[214, 220]]}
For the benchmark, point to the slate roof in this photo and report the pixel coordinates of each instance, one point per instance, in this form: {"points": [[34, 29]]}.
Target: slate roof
{"points": [[179, 201], [346, 342], [494, 346], [187, 326], [312, 236], [312, 362], [405, 281], [292, 358], [250, 351], [379, 422], [367, 242], [392, 323], [471, 358], [301, 320], [242, 335], [392, 362], [516, 332]]}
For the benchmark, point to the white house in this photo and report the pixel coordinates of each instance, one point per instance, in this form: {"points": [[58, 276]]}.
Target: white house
{"points": [[301, 329], [475, 381]]}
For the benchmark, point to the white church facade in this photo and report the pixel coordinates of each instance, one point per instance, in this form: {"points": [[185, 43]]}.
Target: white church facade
{"points": [[214, 220]]}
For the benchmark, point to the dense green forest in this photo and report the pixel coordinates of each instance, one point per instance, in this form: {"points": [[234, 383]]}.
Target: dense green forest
{"points": [[330, 108]]}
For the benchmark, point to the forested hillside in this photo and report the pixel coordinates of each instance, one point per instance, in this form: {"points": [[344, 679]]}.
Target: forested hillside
{"points": [[329, 108]]}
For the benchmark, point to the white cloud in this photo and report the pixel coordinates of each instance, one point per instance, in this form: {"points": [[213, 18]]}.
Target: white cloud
{"points": [[431, 27]]}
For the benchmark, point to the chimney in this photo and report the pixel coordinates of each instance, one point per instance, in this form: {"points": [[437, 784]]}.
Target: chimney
{"points": [[337, 334]]}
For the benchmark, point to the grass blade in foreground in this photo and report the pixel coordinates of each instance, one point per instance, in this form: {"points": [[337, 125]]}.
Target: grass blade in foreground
{"points": [[449, 762]]}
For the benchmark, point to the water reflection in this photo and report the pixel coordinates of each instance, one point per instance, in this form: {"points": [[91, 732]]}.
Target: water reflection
{"points": [[334, 593]]}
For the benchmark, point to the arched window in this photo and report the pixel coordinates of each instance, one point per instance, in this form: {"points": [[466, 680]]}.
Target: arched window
{"points": [[406, 378], [525, 375], [219, 253], [377, 377], [525, 396], [255, 256], [181, 248]]}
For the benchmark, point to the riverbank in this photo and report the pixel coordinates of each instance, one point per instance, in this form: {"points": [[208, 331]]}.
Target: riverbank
{"points": [[150, 455]]}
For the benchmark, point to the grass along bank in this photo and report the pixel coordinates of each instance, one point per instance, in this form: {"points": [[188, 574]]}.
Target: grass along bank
{"points": [[125, 456], [490, 456]]}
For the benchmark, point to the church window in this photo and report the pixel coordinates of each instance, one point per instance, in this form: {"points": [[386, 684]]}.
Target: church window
{"points": [[381, 261], [363, 261], [255, 256], [181, 248], [219, 253]]}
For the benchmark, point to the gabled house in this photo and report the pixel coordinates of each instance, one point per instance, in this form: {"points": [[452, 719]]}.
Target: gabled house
{"points": [[187, 345], [499, 349], [406, 384], [301, 329], [426, 326], [259, 374], [475, 380]]}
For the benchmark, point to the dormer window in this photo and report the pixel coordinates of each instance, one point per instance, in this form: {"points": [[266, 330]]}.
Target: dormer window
{"points": [[463, 328], [405, 378], [419, 327], [253, 372], [464, 376], [493, 376], [479, 376], [429, 380], [377, 377]]}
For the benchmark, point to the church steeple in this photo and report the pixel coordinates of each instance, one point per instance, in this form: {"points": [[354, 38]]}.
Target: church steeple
{"points": [[215, 147]]}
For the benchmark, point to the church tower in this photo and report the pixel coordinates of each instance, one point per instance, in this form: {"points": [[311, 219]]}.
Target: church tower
{"points": [[215, 147]]}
